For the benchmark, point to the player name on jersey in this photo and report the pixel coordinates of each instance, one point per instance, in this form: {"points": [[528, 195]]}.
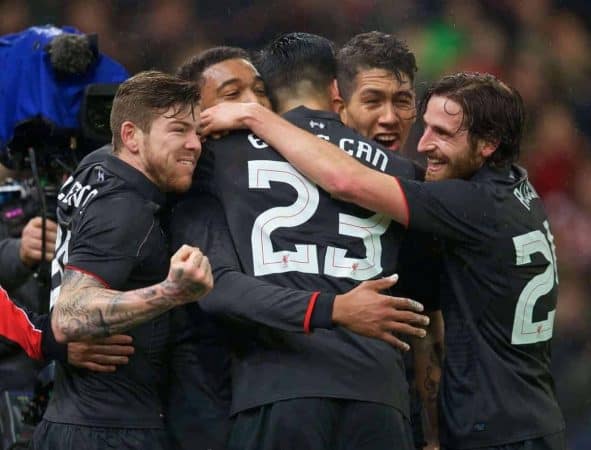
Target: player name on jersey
{"points": [[357, 148]]}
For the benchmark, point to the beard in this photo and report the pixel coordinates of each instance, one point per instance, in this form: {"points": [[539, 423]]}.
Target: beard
{"points": [[460, 166], [163, 171]]}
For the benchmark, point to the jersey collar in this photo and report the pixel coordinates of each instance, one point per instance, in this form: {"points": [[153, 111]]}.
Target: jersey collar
{"points": [[510, 175], [302, 111], [135, 179]]}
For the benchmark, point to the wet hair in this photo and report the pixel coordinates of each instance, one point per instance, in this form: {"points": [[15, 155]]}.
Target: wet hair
{"points": [[143, 97], [373, 50], [293, 58], [492, 111], [193, 68]]}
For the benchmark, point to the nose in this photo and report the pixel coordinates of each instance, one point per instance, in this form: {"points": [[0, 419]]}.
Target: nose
{"points": [[247, 96], [425, 143], [389, 116], [194, 143]]}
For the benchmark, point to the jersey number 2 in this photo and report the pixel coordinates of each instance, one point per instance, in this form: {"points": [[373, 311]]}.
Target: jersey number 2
{"points": [[525, 330], [305, 257]]}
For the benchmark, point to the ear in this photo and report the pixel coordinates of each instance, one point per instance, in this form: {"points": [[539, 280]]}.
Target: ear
{"points": [[131, 136], [487, 148], [335, 97]]}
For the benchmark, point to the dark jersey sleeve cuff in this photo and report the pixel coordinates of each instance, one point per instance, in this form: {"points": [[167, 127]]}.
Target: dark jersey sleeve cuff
{"points": [[50, 348], [319, 314]]}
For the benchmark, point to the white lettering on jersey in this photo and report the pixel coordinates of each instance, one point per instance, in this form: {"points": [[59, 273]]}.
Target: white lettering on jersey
{"points": [[256, 142], [525, 193], [365, 151], [78, 194]]}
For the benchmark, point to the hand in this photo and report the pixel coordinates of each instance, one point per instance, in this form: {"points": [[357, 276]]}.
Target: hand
{"points": [[101, 355], [189, 277], [31, 241], [364, 310], [224, 116]]}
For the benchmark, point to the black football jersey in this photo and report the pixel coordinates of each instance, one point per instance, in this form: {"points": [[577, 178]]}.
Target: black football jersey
{"points": [[109, 228], [498, 298], [290, 233]]}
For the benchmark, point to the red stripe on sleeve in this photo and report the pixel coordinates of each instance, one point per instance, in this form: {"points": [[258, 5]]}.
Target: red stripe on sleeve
{"points": [[86, 272], [309, 311], [405, 202], [16, 326]]}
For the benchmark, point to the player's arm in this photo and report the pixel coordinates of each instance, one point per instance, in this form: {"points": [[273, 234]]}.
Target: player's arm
{"points": [[33, 333], [428, 361], [85, 309], [324, 163], [20, 327], [364, 310]]}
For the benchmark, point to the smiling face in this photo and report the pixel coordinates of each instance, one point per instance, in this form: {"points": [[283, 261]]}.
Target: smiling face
{"points": [[168, 153], [381, 107], [446, 143], [232, 80]]}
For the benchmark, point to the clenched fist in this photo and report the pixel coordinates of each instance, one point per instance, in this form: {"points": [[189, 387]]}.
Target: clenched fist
{"points": [[189, 277]]}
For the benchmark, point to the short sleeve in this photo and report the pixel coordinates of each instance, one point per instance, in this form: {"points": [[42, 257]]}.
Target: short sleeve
{"points": [[107, 238], [455, 210]]}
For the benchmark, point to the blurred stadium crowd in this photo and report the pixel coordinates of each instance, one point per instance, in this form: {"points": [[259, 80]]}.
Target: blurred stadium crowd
{"points": [[542, 47]]}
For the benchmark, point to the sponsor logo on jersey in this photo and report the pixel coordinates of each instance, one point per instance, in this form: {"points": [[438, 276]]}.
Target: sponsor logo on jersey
{"points": [[320, 125]]}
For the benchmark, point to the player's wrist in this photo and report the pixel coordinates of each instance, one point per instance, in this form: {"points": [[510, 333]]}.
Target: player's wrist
{"points": [[338, 309], [322, 312], [253, 115]]}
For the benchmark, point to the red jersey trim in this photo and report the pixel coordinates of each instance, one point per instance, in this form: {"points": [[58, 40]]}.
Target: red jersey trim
{"points": [[86, 272], [16, 326], [309, 311], [405, 224]]}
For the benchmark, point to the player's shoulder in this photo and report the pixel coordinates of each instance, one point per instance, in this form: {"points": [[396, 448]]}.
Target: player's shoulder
{"points": [[231, 141], [107, 187], [328, 126]]}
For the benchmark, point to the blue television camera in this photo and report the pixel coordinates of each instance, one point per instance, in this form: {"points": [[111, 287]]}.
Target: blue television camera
{"points": [[56, 90]]}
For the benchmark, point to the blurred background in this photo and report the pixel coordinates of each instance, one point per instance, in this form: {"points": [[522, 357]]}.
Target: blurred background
{"points": [[542, 47]]}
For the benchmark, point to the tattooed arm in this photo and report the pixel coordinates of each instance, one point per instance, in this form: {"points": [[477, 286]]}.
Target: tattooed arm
{"points": [[428, 361], [85, 309]]}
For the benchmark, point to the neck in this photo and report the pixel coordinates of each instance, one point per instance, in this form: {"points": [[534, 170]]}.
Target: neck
{"points": [[310, 103], [135, 161]]}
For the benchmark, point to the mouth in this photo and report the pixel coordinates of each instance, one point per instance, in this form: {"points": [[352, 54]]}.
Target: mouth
{"points": [[187, 162], [435, 165], [391, 141]]}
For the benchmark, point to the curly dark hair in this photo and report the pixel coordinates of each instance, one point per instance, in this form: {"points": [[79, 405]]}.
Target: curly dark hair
{"points": [[493, 111]]}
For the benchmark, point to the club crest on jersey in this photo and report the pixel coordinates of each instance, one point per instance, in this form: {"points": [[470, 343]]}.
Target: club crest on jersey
{"points": [[525, 193]]}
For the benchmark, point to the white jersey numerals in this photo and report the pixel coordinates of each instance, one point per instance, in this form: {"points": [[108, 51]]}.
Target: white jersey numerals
{"points": [[305, 257], [59, 262], [525, 330], [267, 261]]}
